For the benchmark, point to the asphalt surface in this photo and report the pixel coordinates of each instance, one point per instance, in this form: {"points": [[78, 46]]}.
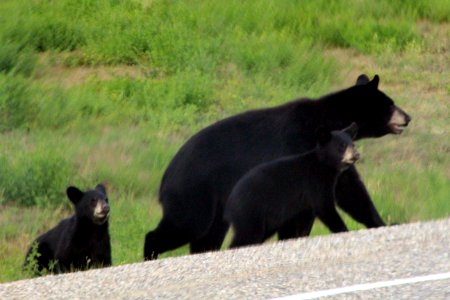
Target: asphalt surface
{"points": [[274, 270]]}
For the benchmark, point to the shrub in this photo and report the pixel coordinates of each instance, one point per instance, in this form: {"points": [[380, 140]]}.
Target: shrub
{"points": [[37, 178], [15, 60], [16, 109]]}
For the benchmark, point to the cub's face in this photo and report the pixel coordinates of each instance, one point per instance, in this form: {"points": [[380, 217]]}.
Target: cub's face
{"points": [[337, 149], [342, 150], [92, 204]]}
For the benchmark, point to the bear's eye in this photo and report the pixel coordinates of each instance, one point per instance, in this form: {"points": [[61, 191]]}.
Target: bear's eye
{"points": [[93, 201]]}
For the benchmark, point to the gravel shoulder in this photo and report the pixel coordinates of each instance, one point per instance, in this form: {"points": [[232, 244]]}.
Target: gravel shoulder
{"points": [[268, 271]]}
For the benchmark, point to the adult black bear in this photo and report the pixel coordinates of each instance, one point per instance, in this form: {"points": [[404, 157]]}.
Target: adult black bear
{"points": [[79, 242], [200, 177], [273, 193]]}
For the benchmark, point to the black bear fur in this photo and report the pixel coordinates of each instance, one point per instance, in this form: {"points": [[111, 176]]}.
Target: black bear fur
{"points": [[79, 242], [199, 179], [273, 193]]}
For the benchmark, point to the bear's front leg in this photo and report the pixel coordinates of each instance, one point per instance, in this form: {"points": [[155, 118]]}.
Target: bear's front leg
{"points": [[353, 198], [330, 217], [299, 226]]}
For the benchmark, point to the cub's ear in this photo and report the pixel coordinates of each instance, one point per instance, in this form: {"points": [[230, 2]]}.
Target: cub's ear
{"points": [[323, 135], [74, 194], [362, 79], [351, 130], [375, 81], [101, 188]]}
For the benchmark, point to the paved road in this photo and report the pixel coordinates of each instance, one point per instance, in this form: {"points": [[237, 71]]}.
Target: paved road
{"points": [[338, 264]]}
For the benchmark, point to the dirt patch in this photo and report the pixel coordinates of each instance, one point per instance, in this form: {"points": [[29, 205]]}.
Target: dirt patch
{"points": [[352, 64], [405, 69], [56, 72]]}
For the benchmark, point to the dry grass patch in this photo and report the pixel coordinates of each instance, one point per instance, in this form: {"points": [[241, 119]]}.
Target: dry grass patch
{"points": [[53, 70]]}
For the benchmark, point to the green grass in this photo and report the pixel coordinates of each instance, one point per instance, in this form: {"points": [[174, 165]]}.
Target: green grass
{"points": [[107, 91]]}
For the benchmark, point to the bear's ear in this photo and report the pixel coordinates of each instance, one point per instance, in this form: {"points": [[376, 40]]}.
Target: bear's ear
{"points": [[323, 135], [375, 81], [74, 194], [352, 130], [101, 188], [362, 79]]}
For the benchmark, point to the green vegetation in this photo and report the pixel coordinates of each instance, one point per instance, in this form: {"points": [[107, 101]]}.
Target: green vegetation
{"points": [[108, 90]]}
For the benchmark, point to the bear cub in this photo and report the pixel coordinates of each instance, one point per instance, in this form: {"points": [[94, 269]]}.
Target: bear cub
{"points": [[276, 192], [76, 243]]}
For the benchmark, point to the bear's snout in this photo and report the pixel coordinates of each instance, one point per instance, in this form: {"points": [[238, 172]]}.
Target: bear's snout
{"points": [[105, 208], [101, 211], [350, 156], [399, 121]]}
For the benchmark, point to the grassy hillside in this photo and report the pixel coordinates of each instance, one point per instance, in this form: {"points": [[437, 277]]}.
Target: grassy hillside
{"points": [[108, 90]]}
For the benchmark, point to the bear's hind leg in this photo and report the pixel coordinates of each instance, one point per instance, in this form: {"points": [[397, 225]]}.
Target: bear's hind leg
{"points": [[249, 233], [213, 239], [164, 238]]}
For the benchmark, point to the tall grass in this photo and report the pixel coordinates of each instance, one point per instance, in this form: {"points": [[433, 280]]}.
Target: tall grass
{"points": [[193, 62], [178, 35]]}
